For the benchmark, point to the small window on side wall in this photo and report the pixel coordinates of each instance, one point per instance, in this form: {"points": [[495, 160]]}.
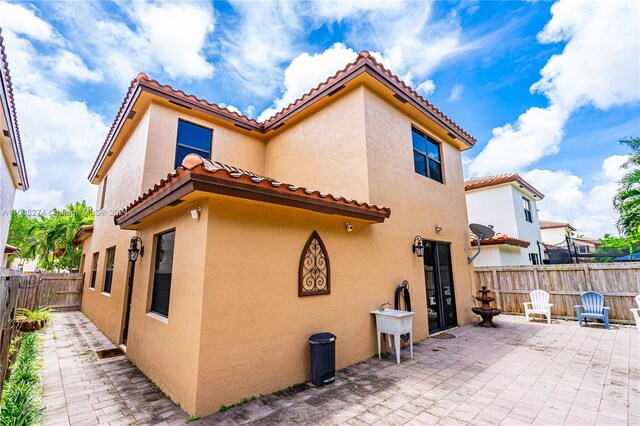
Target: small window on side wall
{"points": [[426, 156], [527, 210], [162, 273], [94, 270], [108, 275], [192, 139], [314, 273]]}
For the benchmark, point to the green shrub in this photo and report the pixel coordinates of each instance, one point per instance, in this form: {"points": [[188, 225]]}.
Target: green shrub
{"points": [[21, 396]]}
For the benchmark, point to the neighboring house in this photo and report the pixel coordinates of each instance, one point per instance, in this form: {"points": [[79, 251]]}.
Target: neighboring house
{"points": [[556, 232], [239, 269], [585, 245], [13, 173], [9, 251], [507, 203]]}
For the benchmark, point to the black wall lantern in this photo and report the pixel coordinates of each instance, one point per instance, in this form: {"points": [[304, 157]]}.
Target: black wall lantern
{"points": [[134, 251], [418, 246]]}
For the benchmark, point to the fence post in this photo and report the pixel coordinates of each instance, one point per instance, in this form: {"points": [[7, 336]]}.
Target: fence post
{"points": [[587, 276], [496, 290], [536, 279]]}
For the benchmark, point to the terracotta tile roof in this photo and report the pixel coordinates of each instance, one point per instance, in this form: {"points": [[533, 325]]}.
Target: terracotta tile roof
{"points": [[499, 238], [7, 89], [488, 181], [83, 232], [9, 249], [550, 224], [364, 61], [199, 174]]}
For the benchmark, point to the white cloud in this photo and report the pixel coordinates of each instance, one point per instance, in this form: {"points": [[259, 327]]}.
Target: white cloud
{"points": [[231, 108], [567, 198], [456, 93], [599, 66], [49, 126], [176, 34], [37, 199], [70, 64], [23, 20], [306, 71], [537, 133], [426, 88]]}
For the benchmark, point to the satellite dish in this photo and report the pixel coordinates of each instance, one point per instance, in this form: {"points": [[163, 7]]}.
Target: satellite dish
{"points": [[481, 231]]}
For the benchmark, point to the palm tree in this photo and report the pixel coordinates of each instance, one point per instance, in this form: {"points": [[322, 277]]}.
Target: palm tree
{"points": [[627, 200]]}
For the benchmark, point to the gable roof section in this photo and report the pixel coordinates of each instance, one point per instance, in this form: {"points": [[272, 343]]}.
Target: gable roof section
{"points": [[550, 224], [8, 106], [199, 174], [364, 63], [498, 239], [489, 181]]}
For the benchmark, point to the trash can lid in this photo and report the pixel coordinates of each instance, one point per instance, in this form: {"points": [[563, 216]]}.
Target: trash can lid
{"points": [[320, 338]]}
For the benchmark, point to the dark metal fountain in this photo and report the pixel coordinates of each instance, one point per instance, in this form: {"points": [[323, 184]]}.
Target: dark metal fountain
{"points": [[485, 310]]}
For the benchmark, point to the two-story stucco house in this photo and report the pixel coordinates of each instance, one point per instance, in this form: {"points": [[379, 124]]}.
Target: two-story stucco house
{"points": [[507, 203], [13, 173], [240, 268]]}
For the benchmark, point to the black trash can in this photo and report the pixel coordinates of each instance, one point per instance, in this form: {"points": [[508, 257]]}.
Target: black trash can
{"points": [[323, 358]]}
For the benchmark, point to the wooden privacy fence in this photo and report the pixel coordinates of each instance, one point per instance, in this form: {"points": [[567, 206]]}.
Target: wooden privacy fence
{"points": [[58, 291], [618, 282]]}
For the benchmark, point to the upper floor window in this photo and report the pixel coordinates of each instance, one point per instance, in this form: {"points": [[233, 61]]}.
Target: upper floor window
{"points": [[192, 139], [426, 156], [533, 257], [526, 203], [583, 249], [108, 276], [162, 273], [103, 192]]}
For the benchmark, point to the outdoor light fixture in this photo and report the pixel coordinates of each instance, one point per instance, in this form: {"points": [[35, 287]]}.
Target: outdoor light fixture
{"points": [[195, 213], [134, 251], [438, 228], [418, 246], [348, 227]]}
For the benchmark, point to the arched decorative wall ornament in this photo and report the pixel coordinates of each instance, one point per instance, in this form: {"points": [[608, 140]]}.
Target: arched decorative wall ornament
{"points": [[314, 273]]}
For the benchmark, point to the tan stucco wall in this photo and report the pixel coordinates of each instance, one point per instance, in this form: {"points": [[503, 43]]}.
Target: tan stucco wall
{"points": [[229, 146], [167, 349], [326, 151], [124, 184], [236, 326], [417, 203]]}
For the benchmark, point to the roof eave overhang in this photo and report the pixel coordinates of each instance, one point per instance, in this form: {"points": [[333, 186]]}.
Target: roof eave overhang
{"points": [[210, 184], [13, 135]]}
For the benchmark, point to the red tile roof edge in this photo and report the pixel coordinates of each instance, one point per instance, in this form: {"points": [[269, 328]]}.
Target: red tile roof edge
{"points": [[499, 238], [9, 249], [488, 181], [363, 57], [550, 224], [13, 118], [193, 164]]}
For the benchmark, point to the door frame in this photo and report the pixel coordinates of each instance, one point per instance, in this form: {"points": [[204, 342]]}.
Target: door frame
{"points": [[128, 298], [438, 287]]}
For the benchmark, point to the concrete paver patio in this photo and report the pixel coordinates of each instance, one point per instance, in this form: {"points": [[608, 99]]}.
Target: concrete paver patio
{"points": [[520, 373]]}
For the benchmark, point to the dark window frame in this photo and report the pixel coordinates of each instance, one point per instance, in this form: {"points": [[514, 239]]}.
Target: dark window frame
{"points": [[94, 269], [104, 192], [526, 203], [109, 266], [199, 151], [425, 155], [154, 303], [533, 258]]}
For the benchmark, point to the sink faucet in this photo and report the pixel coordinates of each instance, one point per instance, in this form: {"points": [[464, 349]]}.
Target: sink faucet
{"points": [[381, 308]]}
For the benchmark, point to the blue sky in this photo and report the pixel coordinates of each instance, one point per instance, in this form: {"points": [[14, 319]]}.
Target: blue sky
{"points": [[547, 88]]}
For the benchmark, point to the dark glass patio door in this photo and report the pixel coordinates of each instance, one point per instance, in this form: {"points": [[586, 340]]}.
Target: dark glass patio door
{"points": [[441, 304]]}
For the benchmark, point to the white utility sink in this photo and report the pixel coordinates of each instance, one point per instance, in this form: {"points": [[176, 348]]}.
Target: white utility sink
{"points": [[396, 323]]}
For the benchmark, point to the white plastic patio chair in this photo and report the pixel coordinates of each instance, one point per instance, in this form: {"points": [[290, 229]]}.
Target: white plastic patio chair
{"points": [[539, 305], [636, 312]]}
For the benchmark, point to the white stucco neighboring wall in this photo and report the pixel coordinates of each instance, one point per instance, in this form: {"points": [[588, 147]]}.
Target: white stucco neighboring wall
{"points": [[555, 235], [7, 195], [493, 206], [502, 207]]}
